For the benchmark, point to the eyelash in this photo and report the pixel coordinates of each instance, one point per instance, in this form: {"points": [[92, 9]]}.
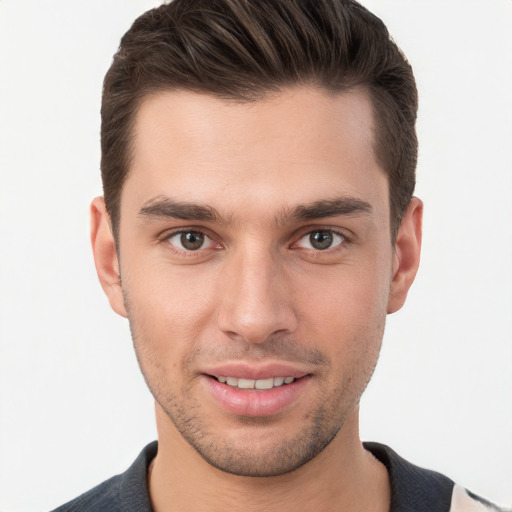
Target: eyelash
{"points": [[334, 232], [182, 252], [346, 240]]}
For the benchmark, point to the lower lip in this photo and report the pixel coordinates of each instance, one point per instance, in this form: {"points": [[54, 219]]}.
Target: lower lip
{"points": [[250, 402]]}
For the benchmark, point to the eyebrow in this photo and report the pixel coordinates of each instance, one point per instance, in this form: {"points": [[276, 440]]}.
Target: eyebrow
{"points": [[346, 205], [166, 207]]}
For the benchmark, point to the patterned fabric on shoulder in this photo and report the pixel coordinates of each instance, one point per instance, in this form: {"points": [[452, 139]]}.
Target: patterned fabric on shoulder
{"points": [[465, 501]]}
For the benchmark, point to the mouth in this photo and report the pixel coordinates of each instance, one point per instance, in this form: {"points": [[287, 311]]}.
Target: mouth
{"points": [[256, 384], [258, 392]]}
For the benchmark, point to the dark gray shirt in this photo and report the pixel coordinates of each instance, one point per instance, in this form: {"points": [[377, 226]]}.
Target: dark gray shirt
{"points": [[412, 488]]}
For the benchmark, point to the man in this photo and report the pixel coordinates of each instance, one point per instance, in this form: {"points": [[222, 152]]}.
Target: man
{"points": [[258, 224]]}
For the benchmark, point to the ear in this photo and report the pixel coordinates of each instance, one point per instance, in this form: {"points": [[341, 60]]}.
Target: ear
{"points": [[105, 255], [406, 258]]}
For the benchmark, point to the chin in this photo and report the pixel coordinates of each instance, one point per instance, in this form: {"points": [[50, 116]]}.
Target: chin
{"points": [[258, 447]]}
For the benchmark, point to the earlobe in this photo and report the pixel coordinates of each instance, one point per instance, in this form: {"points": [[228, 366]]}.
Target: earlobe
{"points": [[105, 255], [406, 256]]}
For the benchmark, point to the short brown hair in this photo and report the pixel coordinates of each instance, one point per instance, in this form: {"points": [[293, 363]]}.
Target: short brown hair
{"points": [[243, 49]]}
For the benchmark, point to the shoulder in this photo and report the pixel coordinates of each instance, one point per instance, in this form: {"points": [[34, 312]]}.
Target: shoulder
{"points": [[465, 501], [102, 497], [413, 487], [127, 492], [423, 490]]}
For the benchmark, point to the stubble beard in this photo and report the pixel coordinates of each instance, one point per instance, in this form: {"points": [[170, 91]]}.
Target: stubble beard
{"points": [[240, 456]]}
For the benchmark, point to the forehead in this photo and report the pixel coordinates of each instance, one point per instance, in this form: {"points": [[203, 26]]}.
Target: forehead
{"points": [[294, 147]]}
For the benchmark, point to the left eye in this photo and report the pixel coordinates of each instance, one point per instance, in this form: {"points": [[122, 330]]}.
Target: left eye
{"points": [[320, 240], [190, 241]]}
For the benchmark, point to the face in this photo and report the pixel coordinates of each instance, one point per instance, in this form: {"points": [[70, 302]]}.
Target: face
{"points": [[256, 268]]}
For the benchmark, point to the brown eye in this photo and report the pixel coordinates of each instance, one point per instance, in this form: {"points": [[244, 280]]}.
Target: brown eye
{"points": [[321, 239], [189, 240], [192, 240]]}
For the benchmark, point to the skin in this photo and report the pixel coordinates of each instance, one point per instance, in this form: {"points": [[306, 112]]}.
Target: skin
{"points": [[257, 293]]}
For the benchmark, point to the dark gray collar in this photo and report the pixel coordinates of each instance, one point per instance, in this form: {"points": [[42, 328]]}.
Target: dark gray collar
{"points": [[412, 488]]}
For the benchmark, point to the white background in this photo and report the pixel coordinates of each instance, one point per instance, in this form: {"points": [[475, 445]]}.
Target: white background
{"points": [[74, 408]]}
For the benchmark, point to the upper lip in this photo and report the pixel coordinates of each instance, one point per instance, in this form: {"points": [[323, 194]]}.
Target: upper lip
{"points": [[246, 370]]}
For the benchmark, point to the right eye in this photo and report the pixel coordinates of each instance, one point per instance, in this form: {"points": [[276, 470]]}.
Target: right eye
{"points": [[186, 241]]}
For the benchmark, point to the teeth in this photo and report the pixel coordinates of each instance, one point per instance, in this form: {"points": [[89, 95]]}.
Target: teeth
{"points": [[264, 383], [246, 384], [278, 381], [232, 381], [272, 382]]}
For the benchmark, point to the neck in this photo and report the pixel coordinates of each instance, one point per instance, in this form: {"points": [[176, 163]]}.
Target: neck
{"points": [[344, 476]]}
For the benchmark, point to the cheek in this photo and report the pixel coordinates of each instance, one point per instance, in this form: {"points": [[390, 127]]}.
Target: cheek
{"points": [[346, 313], [168, 306], [347, 295]]}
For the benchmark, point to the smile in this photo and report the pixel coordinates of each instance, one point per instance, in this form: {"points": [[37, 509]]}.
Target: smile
{"points": [[243, 396], [261, 384]]}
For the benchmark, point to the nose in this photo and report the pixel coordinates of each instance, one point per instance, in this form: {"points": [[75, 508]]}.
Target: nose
{"points": [[256, 302]]}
